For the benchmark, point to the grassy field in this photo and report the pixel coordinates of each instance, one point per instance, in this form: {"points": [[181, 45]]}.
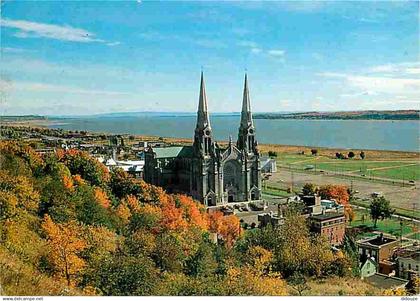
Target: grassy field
{"points": [[395, 169], [398, 210], [274, 191], [391, 226]]}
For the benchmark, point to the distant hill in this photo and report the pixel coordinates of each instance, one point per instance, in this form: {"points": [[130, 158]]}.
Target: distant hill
{"points": [[11, 118], [345, 115]]}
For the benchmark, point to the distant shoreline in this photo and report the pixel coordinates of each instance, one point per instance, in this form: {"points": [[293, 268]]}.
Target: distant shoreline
{"points": [[345, 115], [376, 115], [263, 146]]}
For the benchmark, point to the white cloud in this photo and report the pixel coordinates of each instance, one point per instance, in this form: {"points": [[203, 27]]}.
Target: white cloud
{"points": [[27, 29], [359, 94], [379, 83], [413, 70], [386, 84], [42, 87], [401, 69], [13, 50], [256, 50], [276, 52], [113, 43], [248, 44], [332, 74]]}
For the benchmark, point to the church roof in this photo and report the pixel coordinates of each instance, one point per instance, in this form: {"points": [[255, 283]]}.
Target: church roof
{"points": [[173, 151]]}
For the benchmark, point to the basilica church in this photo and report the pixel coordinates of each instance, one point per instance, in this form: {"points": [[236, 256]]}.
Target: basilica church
{"points": [[208, 172]]}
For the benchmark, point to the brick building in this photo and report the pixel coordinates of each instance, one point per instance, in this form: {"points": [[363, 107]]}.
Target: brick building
{"points": [[381, 248], [330, 224]]}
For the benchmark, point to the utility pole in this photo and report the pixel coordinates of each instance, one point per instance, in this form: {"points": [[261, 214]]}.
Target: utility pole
{"points": [[292, 178], [401, 225], [414, 210]]}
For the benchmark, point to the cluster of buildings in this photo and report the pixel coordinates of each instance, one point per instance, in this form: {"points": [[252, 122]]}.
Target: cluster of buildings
{"points": [[386, 263], [324, 217]]}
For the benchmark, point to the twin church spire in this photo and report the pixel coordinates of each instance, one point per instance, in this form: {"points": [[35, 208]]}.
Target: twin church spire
{"points": [[246, 115], [203, 120], [203, 132]]}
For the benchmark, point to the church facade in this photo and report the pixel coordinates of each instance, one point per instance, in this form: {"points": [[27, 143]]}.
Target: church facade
{"points": [[209, 173]]}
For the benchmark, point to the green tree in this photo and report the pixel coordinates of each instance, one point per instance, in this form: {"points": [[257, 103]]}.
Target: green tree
{"points": [[299, 283], [122, 275], [309, 189], [203, 263], [272, 154], [87, 167], [380, 208]]}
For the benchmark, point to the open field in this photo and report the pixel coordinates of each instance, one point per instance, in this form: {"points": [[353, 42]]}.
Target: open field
{"points": [[391, 226], [400, 197], [387, 168]]}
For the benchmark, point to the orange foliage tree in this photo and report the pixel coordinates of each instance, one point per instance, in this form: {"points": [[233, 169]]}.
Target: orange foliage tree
{"points": [[102, 198], [228, 227], [65, 245], [340, 194]]}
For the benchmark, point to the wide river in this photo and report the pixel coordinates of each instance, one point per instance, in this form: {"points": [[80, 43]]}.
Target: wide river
{"points": [[350, 134]]}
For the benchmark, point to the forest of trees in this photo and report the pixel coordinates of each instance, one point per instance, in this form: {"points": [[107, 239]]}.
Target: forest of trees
{"points": [[68, 226]]}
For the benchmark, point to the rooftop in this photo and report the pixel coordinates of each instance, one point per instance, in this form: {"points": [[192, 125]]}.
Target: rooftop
{"points": [[385, 281], [378, 240], [413, 255], [327, 216], [173, 151]]}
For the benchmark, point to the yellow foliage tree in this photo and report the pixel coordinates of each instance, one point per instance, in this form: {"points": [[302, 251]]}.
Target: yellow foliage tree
{"points": [[133, 203], [260, 259], [395, 292], [22, 188], [246, 282], [123, 212], [102, 198], [65, 245]]}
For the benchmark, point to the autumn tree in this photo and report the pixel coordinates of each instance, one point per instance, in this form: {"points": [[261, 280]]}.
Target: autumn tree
{"points": [[380, 208], [245, 281], [21, 187], [340, 194], [293, 251], [86, 166], [19, 159], [65, 246], [227, 227]]}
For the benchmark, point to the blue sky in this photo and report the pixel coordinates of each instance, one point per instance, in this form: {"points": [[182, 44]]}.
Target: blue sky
{"points": [[77, 57]]}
